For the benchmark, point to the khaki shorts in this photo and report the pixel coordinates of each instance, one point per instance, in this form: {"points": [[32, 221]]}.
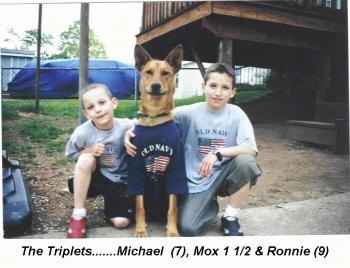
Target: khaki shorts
{"points": [[197, 209]]}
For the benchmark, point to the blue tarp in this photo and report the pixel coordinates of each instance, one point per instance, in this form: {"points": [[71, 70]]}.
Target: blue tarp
{"points": [[60, 78]]}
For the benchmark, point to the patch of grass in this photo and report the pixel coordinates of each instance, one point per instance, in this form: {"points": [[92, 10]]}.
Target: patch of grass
{"points": [[44, 130], [250, 95], [55, 146], [126, 108], [190, 100], [296, 145], [61, 162], [23, 149], [62, 108], [39, 131], [9, 112]]}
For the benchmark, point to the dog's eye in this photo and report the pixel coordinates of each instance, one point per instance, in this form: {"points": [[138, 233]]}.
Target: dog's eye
{"points": [[149, 72], [165, 73]]}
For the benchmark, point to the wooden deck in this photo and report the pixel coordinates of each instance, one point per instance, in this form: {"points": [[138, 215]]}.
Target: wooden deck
{"points": [[305, 42]]}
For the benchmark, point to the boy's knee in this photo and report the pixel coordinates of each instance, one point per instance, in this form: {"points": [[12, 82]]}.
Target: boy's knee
{"points": [[247, 166], [245, 160], [190, 231], [86, 160], [120, 222], [187, 229]]}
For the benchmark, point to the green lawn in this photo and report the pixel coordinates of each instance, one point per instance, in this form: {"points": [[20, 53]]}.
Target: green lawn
{"points": [[126, 108], [23, 131]]}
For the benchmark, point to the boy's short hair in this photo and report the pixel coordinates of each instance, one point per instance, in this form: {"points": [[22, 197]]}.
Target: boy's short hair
{"points": [[94, 86], [220, 67]]}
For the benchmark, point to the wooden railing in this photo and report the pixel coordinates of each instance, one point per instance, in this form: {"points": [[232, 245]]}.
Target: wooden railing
{"points": [[155, 13]]}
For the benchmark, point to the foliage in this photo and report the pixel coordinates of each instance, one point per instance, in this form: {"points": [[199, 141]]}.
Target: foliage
{"points": [[30, 42], [70, 44]]}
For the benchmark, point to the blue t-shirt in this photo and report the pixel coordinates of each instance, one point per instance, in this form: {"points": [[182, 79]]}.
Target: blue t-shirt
{"points": [[159, 161]]}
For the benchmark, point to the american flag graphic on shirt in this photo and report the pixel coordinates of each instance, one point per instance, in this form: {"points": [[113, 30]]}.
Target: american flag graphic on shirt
{"points": [[107, 160], [205, 145], [156, 164]]}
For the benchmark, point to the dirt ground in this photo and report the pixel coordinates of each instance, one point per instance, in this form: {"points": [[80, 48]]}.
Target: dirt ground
{"points": [[291, 172]]}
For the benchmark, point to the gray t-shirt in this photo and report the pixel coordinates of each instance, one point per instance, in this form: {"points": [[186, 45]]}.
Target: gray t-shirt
{"points": [[202, 129], [113, 162]]}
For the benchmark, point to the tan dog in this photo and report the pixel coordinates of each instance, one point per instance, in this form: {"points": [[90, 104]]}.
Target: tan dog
{"points": [[157, 87]]}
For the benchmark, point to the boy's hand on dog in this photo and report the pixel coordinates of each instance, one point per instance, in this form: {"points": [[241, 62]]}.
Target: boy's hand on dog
{"points": [[130, 148], [206, 166]]}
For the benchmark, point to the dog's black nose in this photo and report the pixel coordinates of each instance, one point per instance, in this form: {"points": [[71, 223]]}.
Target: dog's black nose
{"points": [[155, 88]]}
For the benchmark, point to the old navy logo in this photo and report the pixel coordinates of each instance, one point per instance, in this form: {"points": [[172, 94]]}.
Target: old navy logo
{"points": [[211, 132], [157, 148]]}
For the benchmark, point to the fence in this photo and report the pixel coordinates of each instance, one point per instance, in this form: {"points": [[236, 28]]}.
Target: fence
{"points": [[188, 80]]}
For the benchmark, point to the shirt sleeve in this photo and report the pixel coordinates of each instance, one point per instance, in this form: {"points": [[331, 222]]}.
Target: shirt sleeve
{"points": [[245, 133], [75, 144]]}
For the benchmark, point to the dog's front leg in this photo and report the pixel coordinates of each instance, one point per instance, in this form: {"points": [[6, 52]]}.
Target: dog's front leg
{"points": [[140, 217], [172, 217]]}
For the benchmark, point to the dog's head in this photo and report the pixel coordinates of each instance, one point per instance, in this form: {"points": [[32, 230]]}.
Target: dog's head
{"points": [[157, 83]]}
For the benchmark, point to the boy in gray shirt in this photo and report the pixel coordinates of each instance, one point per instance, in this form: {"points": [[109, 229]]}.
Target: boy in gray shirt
{"points": [[97, 149], [220, 151]]}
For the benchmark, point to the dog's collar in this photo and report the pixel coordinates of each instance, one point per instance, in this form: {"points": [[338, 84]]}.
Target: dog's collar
{"points": [[141, 115]]}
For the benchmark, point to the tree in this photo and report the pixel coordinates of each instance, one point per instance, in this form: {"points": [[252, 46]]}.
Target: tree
{"points": [[29, 42], [12, 39], [70, 44]]}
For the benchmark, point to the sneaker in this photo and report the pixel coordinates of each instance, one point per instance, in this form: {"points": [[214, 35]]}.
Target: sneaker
{"points": [[231, 228], [77, 228]]}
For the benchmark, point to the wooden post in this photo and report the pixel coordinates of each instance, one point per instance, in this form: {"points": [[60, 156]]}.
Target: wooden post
{"points": [[225, 51], [84, 54], [38, 57], [325, 74], [197, 59], [225, 55]]}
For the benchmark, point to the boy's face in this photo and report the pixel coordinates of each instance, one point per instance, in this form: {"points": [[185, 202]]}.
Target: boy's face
{"points": [[99, 107], [218, 90]]}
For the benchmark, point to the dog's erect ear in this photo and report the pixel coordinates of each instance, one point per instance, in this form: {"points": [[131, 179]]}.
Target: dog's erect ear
{"points": [[141, 57], [175, 57]]}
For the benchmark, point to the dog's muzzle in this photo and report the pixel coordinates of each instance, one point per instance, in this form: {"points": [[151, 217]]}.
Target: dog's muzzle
{"points": [[156, 90]]}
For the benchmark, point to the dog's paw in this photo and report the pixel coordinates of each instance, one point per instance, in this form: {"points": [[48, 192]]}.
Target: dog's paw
{"points": [[172, 232], [141, 233], [141, 230]]}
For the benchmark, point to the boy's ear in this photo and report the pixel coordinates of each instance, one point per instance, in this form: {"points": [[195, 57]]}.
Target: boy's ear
{"points": [[234, 90], [115, 102], [85, 113]]}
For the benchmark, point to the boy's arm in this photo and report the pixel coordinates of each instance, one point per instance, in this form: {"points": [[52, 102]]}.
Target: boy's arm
{"points": [[129, 146], [96, 150], [237, 150], [72, 152], [206, 166]]}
